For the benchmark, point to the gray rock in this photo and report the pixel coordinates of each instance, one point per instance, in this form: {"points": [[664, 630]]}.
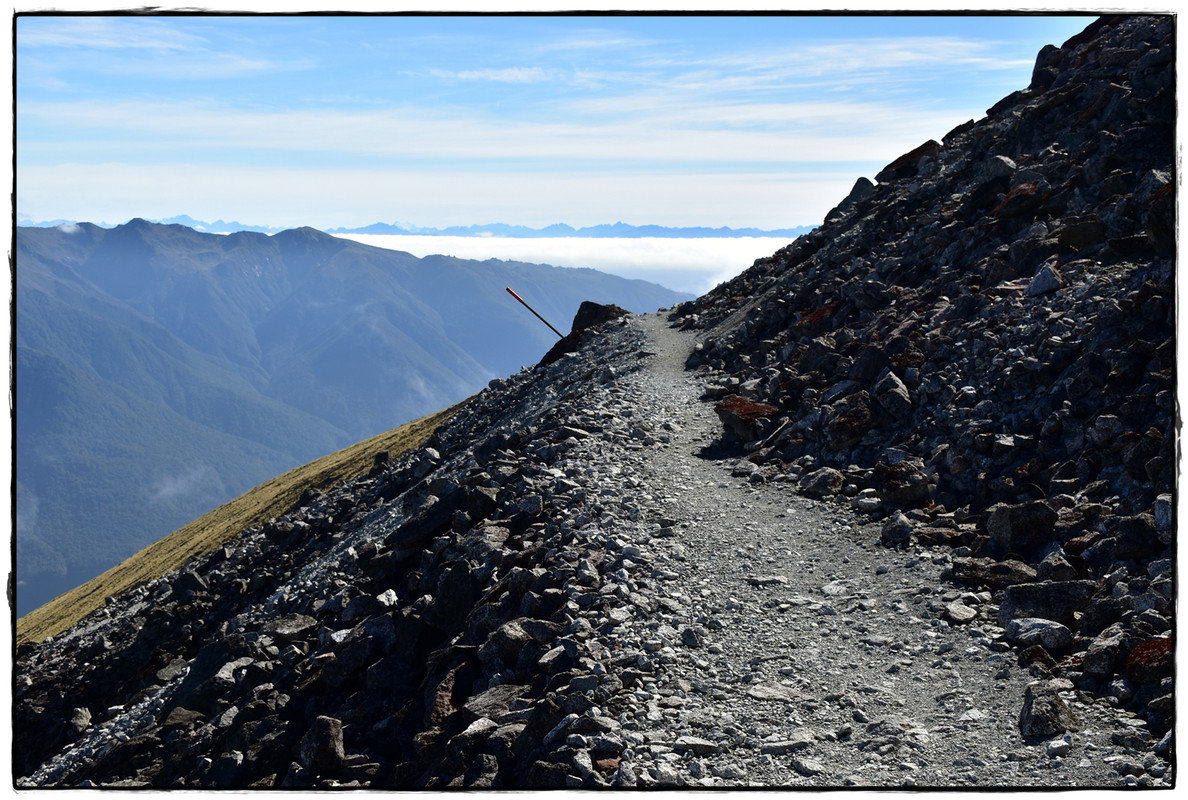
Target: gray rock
{"points": [[1051, 635], [1021, 528], [1045, 712], [809, 767], [1057, 600], [897, 530], [823, 482], [696, 745], [893, 395], [1105, 651], [321, 749], [786, 746], [960, 613], [1164, 512], [1047, 279]]}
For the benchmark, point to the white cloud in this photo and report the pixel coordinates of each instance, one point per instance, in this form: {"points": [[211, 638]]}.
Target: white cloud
{"points": [[199, 478], [506, 75], [689, 265], [326, 198], [132, 47], [103, 33], [653, 132]]}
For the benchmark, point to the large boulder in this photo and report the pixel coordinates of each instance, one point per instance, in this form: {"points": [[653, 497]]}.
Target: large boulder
{"points": [[589, 315]]}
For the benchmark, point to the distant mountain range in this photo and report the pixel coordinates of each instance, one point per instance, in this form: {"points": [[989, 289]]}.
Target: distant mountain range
{"points": [[617, 230], [161, 371]]}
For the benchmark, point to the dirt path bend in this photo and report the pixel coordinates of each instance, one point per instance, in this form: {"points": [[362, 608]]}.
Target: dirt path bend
{"points": [[793, 649]]}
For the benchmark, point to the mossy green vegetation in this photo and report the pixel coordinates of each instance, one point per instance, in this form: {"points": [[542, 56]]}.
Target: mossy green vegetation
{"points": [[224, 523]]}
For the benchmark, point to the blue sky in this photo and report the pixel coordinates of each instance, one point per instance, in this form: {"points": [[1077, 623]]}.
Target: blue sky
{"points": [[339, 121]]}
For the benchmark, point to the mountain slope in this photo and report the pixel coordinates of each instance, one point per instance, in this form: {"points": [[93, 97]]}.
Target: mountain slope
{"points": [[213, 529], [161, 371]]}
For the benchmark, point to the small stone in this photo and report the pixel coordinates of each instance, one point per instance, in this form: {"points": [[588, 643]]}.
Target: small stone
{"points": [[960, 613], [785, 746], [729, 772], [767, 580], [1059, 748], [897, 530], [1047, 279], [693, 636], [695, 745], [744, 469], [770, 691], [808, 767]]}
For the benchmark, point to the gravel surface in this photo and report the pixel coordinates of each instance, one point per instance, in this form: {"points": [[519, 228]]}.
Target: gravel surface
{"points": [[793, 649]]}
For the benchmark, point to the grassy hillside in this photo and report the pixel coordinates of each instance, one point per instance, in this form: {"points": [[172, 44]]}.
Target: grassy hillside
{"points": [[221, 525]]}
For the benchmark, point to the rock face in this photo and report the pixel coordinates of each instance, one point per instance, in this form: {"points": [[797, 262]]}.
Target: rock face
{"points": [[983, 344], [975, 353]]}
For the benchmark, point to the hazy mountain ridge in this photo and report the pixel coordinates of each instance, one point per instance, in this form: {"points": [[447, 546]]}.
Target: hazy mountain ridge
{"points": [[162, 370], [615, 230]]}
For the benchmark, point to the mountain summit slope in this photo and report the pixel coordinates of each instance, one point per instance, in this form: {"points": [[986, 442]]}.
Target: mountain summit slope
{"points": [[589, 578], [162, 371]]}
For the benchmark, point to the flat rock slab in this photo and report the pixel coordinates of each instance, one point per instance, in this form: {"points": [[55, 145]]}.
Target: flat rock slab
{"points": [[773, 691], [767, 580]]}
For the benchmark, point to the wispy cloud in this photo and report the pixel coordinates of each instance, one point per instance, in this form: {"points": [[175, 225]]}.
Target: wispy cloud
{"points": [[507, 75], [102, 33], [199, 478], [139, 48], [648, 128]]}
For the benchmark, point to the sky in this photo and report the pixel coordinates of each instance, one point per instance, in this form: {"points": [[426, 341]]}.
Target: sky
{"points": [[686, 120]]}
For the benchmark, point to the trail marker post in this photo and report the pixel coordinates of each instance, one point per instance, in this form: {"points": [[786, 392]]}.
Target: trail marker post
{"points": [[533, 310]]}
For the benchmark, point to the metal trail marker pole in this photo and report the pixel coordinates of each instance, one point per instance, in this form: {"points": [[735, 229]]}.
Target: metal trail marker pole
{"points": [[533, 310]]}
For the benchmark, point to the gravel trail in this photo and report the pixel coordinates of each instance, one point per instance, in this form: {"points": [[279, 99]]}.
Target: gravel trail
{"points": [[706, 625], [795, 650]]}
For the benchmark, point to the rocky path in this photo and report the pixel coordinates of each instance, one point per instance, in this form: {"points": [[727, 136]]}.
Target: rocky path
{"points": [[793, 649], [630, 606]]}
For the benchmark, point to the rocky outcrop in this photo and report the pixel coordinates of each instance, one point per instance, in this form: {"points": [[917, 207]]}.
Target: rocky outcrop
{"points": [[981, 344], [589, 314]]}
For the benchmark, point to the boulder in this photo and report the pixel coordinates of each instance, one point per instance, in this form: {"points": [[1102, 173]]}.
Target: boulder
{"points": [[993, 574], [1021, 528], [740, 417], [1054, 600], [823, 482], [1045, 712], [1028, 631], [321, 748]]}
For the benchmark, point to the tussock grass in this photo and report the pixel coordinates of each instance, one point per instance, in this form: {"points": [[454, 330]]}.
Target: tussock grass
{"points": [[224, 523]]}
